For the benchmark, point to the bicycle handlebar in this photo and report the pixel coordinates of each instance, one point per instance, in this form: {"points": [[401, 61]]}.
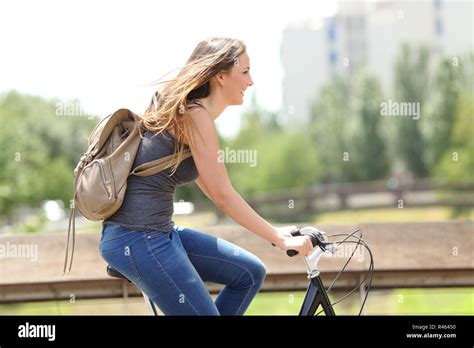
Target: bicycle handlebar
{"points": [[317, 238]]}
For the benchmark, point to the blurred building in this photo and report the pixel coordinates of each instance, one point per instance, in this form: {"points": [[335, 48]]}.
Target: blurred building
{"points": [[363, 33]]}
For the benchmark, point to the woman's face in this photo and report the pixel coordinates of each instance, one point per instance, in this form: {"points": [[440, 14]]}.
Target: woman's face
{"points": [[237, 80]]}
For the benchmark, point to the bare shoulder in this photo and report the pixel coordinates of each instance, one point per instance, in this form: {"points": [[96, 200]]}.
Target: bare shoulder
{"points": [[203, 121], [200, 116]]}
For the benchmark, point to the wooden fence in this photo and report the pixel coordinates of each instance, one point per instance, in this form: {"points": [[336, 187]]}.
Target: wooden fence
{"points": [[362, 195]]}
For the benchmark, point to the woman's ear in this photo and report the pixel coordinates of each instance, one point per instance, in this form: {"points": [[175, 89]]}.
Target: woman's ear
{"points": [[220, 78]]}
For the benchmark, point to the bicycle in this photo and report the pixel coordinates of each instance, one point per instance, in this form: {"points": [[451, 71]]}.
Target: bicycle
{"points": [[316, 295]]}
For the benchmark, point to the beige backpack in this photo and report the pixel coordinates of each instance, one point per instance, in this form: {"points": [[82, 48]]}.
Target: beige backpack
{"points": [[100, 177]]}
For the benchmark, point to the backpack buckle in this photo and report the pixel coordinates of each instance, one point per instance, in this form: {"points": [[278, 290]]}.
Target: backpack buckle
{"points": [[86, 159]]}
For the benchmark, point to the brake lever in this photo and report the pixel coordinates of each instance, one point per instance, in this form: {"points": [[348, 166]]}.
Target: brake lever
{"points": [[319, 237]]}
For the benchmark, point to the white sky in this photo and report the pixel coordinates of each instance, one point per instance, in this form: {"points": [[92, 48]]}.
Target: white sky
{"points": [[105, 53]]}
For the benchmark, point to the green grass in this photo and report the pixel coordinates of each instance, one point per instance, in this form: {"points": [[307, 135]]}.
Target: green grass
{"points": [[393, 215], [437, 301], [447, 301]]}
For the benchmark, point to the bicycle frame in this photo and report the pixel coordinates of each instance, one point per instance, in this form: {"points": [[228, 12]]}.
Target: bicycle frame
{"points": [[316, 294]]}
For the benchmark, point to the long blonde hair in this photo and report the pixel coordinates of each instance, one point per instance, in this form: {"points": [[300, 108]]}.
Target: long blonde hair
{"points": [[168, 108]]}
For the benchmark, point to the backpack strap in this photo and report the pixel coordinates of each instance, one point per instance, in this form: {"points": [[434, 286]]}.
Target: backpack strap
{"points": [[156, 166], [195, 103], [163, 163], [72, 219]]}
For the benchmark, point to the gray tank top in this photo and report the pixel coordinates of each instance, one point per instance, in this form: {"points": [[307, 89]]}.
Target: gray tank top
{"points": [[148, 201]]}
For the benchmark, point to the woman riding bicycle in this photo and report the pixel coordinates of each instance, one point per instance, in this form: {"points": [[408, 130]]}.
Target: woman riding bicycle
{"points": [[170, 263]]}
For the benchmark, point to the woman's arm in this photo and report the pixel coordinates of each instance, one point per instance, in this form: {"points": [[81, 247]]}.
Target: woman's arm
{"points": [[215, 183]]}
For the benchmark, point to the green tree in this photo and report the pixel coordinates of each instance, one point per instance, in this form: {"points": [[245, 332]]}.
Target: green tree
{"points": [[40, 148], [457, 163], [368, 156], [284, 159], [440, 121], [346, 129], [411, 86], [329, 131]]}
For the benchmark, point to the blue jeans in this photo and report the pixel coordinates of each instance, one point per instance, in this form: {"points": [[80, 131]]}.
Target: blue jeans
{"points": [[171, 268]]}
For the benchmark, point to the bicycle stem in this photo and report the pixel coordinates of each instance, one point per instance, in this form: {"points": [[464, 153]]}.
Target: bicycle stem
{"points": [[312, 259]]}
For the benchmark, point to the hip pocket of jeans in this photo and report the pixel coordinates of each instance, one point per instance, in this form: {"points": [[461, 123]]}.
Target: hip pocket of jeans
{"points": [[158, 234]]}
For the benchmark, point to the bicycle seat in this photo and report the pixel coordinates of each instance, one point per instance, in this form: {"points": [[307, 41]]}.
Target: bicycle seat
{"points": [[112, 272]]}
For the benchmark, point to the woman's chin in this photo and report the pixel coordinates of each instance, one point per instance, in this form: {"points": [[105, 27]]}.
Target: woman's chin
{"points": [[237, 102]]}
